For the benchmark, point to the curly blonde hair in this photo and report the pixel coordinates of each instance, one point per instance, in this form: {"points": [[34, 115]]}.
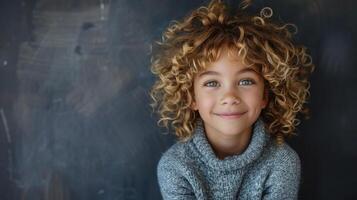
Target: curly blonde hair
{"points": [[187, 47]]}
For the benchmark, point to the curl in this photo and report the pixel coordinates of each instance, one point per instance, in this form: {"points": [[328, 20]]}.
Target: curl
{"points": [[266, 12]]}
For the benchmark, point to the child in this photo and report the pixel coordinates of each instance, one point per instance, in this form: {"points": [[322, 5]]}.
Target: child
{"points": [[231, 87]]}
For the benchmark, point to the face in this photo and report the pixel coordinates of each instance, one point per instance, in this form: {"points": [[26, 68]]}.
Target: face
{"points": [[229, 97]]}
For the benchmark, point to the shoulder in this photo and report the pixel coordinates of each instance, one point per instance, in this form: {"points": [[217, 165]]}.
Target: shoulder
{"points": [[175, 157], [284, 161], [281, 158], [285, 155], [173, 170], [284, 175]]}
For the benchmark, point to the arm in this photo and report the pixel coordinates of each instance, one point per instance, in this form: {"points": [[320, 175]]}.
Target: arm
{"points": [[284, 180], [173, 185]]}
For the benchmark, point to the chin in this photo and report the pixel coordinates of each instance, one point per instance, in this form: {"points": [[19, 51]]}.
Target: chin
{"points": [[234, 133], [231, 131]]}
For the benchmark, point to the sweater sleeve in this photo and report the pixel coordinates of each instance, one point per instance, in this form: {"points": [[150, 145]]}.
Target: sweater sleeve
{"points": [[284, 180], [173, 185]]}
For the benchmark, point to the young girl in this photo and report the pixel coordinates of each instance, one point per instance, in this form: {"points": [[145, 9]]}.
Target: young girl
{"points": [[231, 86]]}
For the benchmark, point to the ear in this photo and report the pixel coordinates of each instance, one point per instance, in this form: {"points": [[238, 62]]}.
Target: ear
{"points": [[194, 106], [265, 98]]}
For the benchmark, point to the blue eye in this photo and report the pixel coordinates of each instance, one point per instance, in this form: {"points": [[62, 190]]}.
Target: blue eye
{"points": [[244, 82], [211, 84], [247, 82]]}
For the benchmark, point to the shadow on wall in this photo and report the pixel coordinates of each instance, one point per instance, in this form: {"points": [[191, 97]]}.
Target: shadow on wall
{"points": [[85, 130]]}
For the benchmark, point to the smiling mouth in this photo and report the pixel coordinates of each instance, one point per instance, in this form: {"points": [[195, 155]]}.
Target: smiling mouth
{"points": [[231, 115]]}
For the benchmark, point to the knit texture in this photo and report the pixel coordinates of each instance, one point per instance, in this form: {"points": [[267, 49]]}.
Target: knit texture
{"points": [[191, 170]]}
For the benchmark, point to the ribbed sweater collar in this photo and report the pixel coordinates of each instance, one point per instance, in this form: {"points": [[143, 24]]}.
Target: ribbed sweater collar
{"points": [[200, 144]]}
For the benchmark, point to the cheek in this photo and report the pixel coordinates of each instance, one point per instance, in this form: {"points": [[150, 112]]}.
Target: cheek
{"points": [[254, 101], [205, 100], [254, 98]]}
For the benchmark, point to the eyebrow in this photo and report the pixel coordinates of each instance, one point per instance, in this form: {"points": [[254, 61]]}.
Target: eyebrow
{"points": [[245, 70]]}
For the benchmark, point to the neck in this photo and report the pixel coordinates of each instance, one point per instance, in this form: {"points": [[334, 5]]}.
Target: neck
{"points": [[224, 146]]}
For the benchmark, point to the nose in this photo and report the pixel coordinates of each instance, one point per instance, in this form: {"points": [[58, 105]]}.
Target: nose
{"points": [[230, 98]]}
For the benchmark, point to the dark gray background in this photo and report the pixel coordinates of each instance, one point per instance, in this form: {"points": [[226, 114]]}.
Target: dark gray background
{"points": [[75, 120]]}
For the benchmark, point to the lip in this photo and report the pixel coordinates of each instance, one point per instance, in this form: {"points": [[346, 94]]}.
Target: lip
{"points": [[234, 115]]}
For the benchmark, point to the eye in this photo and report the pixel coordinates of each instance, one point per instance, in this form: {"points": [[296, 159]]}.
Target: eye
{"points": [[211, 84], [246, 82]]}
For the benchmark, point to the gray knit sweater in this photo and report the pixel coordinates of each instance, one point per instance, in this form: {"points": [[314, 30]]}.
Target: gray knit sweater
{"points": [[191, 170]]}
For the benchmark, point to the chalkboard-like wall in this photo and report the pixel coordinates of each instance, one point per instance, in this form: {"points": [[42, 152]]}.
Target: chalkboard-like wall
{"points": [[74, 106]]}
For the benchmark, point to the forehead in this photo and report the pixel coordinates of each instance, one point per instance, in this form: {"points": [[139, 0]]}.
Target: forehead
{"points": [[240, 71], [228, 64]]}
